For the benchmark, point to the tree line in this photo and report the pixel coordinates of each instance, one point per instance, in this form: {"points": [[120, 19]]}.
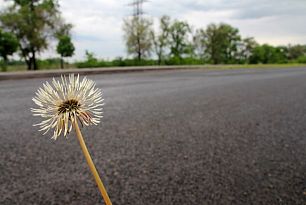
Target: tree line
{"points": [[175, 42], [27, 27]]}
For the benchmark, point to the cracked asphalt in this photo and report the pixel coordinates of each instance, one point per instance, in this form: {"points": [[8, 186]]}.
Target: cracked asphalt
{"points": [[187, 137]]}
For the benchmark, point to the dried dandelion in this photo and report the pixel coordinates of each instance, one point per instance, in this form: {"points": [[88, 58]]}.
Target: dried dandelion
{"points": [[65, 103]]}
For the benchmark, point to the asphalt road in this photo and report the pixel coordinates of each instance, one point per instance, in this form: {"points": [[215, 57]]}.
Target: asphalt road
{"points": [[174, 137]]}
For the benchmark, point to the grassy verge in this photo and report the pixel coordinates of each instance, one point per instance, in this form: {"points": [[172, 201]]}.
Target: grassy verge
{"points": [[249, 66], [14, 68]]}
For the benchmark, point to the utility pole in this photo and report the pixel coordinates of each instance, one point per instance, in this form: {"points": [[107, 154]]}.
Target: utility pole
{"points": [[137, 7]]}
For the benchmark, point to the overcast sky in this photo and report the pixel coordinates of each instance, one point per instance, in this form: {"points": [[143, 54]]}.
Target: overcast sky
{"points": [[98, 23]]}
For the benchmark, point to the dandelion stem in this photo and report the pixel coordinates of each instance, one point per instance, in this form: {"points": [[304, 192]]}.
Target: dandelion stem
{"points": [[91, 165]]}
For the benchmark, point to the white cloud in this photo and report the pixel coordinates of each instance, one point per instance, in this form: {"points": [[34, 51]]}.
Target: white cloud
{"points": [[97, 26], [279, 26]]}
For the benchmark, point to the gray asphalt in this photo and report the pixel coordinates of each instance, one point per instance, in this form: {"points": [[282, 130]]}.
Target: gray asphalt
{"points": [[171, 137]]}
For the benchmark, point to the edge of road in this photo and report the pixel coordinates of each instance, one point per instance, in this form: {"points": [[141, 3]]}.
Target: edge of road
{"points": [[87, 71], [111, 70]]}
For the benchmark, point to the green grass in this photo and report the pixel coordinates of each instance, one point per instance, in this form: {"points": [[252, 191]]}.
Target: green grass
{"points": [[14, 68], [248, 66]]}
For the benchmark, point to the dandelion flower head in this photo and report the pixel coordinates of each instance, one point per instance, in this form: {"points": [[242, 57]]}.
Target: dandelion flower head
{"points": [[66, 101]]}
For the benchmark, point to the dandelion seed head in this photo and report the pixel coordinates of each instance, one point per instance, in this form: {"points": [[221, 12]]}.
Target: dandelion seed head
{"points": [[65, 101]]}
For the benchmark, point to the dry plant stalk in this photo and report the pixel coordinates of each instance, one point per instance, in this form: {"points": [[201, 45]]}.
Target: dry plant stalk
{"points": [[66, 102]]}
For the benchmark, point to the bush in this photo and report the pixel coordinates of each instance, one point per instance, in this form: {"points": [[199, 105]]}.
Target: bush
{"points": [[93, 64], [118, 62], [301, 59], [50, 63], [184, 61]]}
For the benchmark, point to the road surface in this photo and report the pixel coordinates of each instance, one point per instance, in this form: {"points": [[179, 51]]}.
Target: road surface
{"points": [[187, 137]]}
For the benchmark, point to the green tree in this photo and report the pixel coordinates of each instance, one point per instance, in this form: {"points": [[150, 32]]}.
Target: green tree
{"points": [[214, 44], [161, 40], [245, 49], [65, 48], [8, 46], [179, 42], [268, 54], [91, 60], [199, 42], [281, 54], [137, 35], [33, 22], [63, 29], [296, 51], [231, 42], [220, 43]]}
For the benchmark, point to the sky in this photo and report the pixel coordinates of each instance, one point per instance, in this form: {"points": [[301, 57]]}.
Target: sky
{"points": [[98, 23]]}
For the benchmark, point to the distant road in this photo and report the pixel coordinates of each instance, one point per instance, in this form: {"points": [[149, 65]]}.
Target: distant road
{"points": [[186, 137]]}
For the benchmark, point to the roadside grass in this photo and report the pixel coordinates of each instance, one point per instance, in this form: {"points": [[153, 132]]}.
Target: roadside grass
{"points": [[16, 68], [13, 68], [250, 66]]}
